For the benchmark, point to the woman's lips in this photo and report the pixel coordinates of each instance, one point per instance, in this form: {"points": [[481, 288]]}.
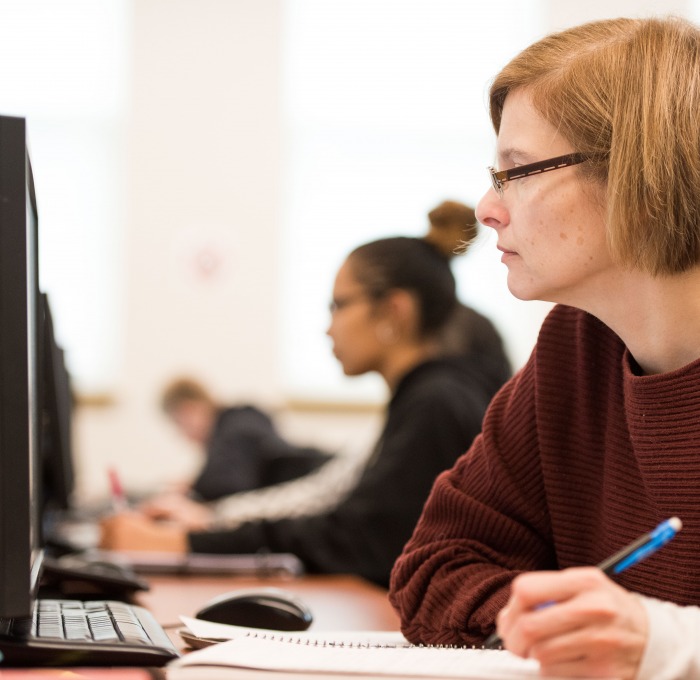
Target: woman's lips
{"points": [[506, 253]]}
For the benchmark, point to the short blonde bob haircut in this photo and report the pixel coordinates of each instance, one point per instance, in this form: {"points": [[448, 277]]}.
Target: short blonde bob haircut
{"points": [[626, 92]]}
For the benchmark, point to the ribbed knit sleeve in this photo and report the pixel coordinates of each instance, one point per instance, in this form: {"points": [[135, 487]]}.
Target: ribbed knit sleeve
{"points": [[479, 528], [579, 455]]}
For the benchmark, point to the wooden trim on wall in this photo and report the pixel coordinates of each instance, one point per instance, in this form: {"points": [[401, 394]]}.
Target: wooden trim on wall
{"points": [[321, 406]]}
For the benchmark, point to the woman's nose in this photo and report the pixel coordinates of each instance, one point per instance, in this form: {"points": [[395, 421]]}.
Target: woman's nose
{"points": [[491, 210]]}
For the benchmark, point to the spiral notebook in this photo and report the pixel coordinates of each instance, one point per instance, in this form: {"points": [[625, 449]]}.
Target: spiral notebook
{"points": [[270, 655]]}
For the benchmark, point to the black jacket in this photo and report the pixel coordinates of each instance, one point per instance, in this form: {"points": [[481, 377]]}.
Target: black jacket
{"points": [[245, 452], [431, 420]]}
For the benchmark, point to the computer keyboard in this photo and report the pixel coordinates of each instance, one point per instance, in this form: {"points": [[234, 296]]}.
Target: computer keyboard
{"points": [[89, 633]]}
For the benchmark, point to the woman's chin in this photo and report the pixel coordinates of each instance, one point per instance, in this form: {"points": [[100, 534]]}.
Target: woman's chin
{"points": [[350, 370], [522, 291]]}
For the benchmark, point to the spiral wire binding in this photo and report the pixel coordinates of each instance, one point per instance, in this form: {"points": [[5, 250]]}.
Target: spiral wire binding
{"points": [[309, 642]]}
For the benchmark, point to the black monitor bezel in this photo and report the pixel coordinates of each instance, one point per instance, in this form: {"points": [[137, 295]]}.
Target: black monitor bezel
{"points": [[20, 408]]}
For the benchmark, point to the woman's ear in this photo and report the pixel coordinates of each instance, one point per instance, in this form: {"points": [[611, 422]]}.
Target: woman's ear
{"points": [[400, 313]]}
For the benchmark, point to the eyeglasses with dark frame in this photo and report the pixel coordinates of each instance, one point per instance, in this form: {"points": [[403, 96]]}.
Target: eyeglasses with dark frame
{"points": [[500, 177], [342, 302]]}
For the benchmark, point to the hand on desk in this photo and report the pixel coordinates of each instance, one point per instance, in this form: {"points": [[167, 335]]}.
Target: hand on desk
{"points": [[593, 626], [133, 531], [177, 507]]}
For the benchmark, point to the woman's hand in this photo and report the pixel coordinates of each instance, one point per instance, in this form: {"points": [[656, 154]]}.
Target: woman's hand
{"points": [[575, 622], [178, 508], [132, 531]]}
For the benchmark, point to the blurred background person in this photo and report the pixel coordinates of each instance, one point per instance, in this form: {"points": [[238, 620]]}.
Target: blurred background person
{"points": [[392, 312], [242, 449]]}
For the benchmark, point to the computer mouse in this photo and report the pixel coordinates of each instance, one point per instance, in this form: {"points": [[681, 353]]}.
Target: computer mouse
{"points": [[271, 608]]}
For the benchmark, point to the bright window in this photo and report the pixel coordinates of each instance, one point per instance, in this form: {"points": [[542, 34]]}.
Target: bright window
{"points": [[385, 109], [62, 66]]}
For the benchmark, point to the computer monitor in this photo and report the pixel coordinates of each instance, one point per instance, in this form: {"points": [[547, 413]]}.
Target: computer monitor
{"points": [[119, 634], [20, 326], [58, 477]]}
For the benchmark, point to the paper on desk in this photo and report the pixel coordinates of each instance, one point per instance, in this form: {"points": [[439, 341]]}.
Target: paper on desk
{"points": [[257, 654], [242, 659], [209, 629]]}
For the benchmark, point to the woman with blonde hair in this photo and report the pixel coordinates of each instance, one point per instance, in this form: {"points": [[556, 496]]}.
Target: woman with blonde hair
{"points": [[596, 440]]}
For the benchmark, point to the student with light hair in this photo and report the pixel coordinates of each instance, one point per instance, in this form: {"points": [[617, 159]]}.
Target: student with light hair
{"points": [[595, 201], [241, 447]]}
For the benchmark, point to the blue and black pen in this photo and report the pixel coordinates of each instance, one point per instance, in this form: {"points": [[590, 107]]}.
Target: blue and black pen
{"points": [[630, 555]]}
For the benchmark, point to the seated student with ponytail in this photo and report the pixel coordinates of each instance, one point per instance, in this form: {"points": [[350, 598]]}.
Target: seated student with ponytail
{"points": [[393, 304]]}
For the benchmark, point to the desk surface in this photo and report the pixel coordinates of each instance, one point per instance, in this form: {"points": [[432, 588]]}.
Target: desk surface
{"points": [[337, 602]]}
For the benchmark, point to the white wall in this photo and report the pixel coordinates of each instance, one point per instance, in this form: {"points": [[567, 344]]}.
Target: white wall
{"points": [[201, 234], [201, 257], [200, 263]]}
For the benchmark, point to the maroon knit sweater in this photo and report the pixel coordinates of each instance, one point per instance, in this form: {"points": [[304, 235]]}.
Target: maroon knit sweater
{"points": [[579, 455]]}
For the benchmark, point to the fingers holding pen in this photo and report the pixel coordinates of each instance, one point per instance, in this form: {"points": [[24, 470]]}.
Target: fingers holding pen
{"points": [[576, 621], [531, 617]]}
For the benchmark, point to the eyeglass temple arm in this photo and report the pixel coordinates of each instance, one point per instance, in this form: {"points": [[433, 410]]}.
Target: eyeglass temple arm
{"points": [[541, 166]]}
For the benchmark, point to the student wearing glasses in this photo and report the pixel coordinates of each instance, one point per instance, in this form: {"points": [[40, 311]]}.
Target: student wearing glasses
{"points": [[395, 312], [596, 205]]}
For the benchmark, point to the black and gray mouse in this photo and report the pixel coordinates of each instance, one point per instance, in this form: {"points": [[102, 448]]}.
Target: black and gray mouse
{"points": [[271, 608]]}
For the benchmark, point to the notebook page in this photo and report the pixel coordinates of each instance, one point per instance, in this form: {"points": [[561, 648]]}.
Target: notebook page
{"points": [[283, 655]]}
